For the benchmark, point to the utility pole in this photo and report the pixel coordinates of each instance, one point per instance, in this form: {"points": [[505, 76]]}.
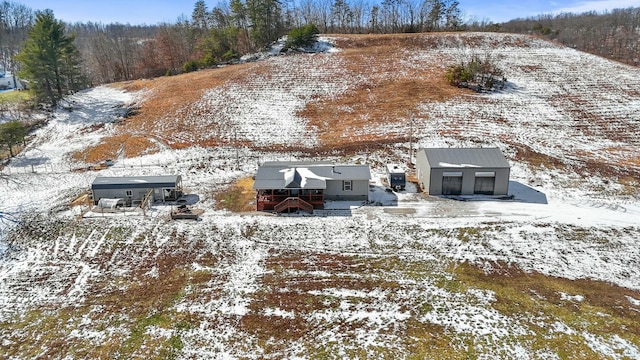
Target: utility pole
{"points": [[235, 142], [410, 139]]}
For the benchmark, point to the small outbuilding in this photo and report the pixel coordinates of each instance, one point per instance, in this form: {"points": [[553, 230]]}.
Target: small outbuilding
{"points": [[283, 186], [396, 177], [134, 190], [463, 171]]}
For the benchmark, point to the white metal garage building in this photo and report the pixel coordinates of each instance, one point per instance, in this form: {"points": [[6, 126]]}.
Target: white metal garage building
{"points": [[463, 171]]}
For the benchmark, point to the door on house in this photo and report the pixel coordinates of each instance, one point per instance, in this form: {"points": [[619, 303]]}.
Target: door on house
{"points": [[452, 183], [485, 183]]}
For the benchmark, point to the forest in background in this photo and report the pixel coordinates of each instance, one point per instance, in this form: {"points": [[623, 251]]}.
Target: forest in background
{"points": [[614, 35], [118, 52]]}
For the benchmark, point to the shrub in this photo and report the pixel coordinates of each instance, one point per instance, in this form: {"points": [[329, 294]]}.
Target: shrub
{"points": [[209, 60], [190, 66], [229, 55], [479, 73], [301, 37], [457, 74]]}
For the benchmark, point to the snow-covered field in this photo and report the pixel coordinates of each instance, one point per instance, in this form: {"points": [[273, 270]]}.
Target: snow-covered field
{"points": [[383, 279]]}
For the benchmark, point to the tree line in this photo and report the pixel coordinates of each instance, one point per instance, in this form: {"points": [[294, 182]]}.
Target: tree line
{"points": [[614, 35], [95, 53], [116, 52]]}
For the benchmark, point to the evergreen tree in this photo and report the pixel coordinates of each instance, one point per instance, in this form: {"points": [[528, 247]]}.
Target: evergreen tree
{"points": [[301, 37], [266, 20], [200, 15], [50, 61], [12, 133]]}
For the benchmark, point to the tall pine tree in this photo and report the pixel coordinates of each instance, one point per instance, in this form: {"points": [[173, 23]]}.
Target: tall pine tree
{"points": [[266, 20], [50, 61]]}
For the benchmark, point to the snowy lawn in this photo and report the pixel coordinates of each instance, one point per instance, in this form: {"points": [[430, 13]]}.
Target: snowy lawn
{"points": [[553, 273]]}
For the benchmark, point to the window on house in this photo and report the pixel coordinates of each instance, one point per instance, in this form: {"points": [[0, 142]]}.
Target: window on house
{"points": [[129, 193], [346, 185]]}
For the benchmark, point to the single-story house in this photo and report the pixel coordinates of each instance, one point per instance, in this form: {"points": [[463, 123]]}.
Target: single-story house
{"points": [[133, 189], [282, 186], [463, 171]]}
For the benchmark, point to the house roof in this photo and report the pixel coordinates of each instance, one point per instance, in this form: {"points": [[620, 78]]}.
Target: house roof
{"points": [[135, 182], [306, 175], [465, 157]]}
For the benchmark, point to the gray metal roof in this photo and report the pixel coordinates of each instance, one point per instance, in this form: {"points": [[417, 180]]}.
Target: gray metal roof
{"points": [[465, 157], [135, 182], [306, 175]]}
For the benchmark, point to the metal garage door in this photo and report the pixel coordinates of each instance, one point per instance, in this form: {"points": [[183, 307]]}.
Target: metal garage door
{"points": [[485, 183], [452, 183]]}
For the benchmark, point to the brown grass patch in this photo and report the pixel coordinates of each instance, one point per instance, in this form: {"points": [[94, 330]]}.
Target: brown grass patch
{"points": [[125, 145], [604, 310], [587, 166], [133, 85], [6, 154], [610, 298], [386, 97], [164, 111], [129, 305], [631, 185], [239, 197], [525, 153], [303, 284], [170, 95]]}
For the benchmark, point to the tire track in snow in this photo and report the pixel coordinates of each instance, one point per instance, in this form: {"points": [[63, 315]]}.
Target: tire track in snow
{"points": [[78, 253], [98, 245]]}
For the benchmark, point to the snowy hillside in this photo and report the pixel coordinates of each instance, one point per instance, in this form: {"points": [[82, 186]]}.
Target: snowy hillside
{"points": [[552, 274]]}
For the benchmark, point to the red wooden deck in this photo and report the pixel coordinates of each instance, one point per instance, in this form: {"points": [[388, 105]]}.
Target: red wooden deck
{"points": [[269, 199]]}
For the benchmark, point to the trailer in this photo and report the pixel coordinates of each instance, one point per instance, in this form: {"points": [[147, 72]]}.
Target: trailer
{"points": [[396, 177]]}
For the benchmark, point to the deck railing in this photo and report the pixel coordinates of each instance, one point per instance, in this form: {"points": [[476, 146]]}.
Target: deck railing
{"points": [[293, 203]]}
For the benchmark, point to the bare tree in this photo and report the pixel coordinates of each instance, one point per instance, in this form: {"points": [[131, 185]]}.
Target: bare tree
{"points": [[15, 22], [341, 16], [615, 34]]}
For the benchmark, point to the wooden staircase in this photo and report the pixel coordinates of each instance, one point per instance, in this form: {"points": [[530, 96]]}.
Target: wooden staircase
{"points": [[146, 202], [293, 203]]}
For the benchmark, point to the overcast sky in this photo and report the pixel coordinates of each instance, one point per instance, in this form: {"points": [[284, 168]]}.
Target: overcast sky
{"points": [[168, 11]]}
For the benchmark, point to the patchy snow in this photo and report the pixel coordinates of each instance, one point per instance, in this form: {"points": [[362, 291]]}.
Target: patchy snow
{"points": [[558, 223], [265, 110], [572, 298], [633, 301], [614, 347], [322, 45]]}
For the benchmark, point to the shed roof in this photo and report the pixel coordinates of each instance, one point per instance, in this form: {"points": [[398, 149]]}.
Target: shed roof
{"points": [[306, 175], [395, 169], [135, 182], [465, 157]]}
